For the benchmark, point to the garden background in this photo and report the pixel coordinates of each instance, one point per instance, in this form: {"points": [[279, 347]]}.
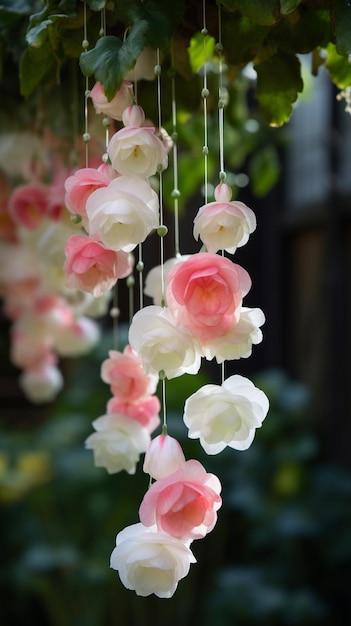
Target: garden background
{"points": [[281, 552]]}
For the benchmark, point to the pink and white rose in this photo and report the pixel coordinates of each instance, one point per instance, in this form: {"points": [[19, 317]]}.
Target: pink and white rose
{"points": [[112, 108], [80, 186], [163, 457], [224, 225]]}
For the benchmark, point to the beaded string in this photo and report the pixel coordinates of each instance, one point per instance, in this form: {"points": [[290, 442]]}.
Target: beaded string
{"points": [[85, 46], [162, 229], [204, 94], [219, 48], [222, 174], [175, 192]]}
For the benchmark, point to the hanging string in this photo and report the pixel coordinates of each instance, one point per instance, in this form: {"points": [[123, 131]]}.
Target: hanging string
{"points": [[222, 174], [140, 268], [114, 313], [162, 229], [175, 192], [85, 46], [130, 284], [204, 94], [219, 48], [164, 425]]}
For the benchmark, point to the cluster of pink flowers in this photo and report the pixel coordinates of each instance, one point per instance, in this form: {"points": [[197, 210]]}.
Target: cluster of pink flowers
{"points": [[47, 321], [115, 202], [197, 313], [132, 413]]}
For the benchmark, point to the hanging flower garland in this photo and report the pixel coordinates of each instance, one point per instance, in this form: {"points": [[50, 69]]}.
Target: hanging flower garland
{"points": [[198, 312]]}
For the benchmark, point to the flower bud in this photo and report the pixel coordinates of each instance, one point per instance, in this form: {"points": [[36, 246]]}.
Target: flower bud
{"points": [[223, 193], [163, 457], [133, 116]]}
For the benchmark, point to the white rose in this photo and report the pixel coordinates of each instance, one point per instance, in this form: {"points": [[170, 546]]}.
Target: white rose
{"points": [[162, 345], [238, 341], [41, 385], [77, 338], [225, 415], [117, 443], [137, 150], [123, 214], [153, 285], [149, 561]]}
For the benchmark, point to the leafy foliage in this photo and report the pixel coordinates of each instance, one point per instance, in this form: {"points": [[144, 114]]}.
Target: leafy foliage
{"points": [[268, 34]]}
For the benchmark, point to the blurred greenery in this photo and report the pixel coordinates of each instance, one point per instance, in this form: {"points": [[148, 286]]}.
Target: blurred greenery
{"points": [[280, 553]]}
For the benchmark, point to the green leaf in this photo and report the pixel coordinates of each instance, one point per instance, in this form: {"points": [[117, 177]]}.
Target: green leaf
{"points": [[259, 11], [201, 51], [249, 36], [302, 34], [288, 6], [342, 17], [278, 83], [264, 170], [38, 34], [36, 63], [162, 19], [339, 67], [111, 58]]}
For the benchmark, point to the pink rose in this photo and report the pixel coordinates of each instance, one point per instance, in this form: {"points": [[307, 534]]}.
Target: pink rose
{"points": [[183, 504], [113, 108], [28, 205], [124, 372], [145, 411], [205, 293], [81, 185], [92, 267]]}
